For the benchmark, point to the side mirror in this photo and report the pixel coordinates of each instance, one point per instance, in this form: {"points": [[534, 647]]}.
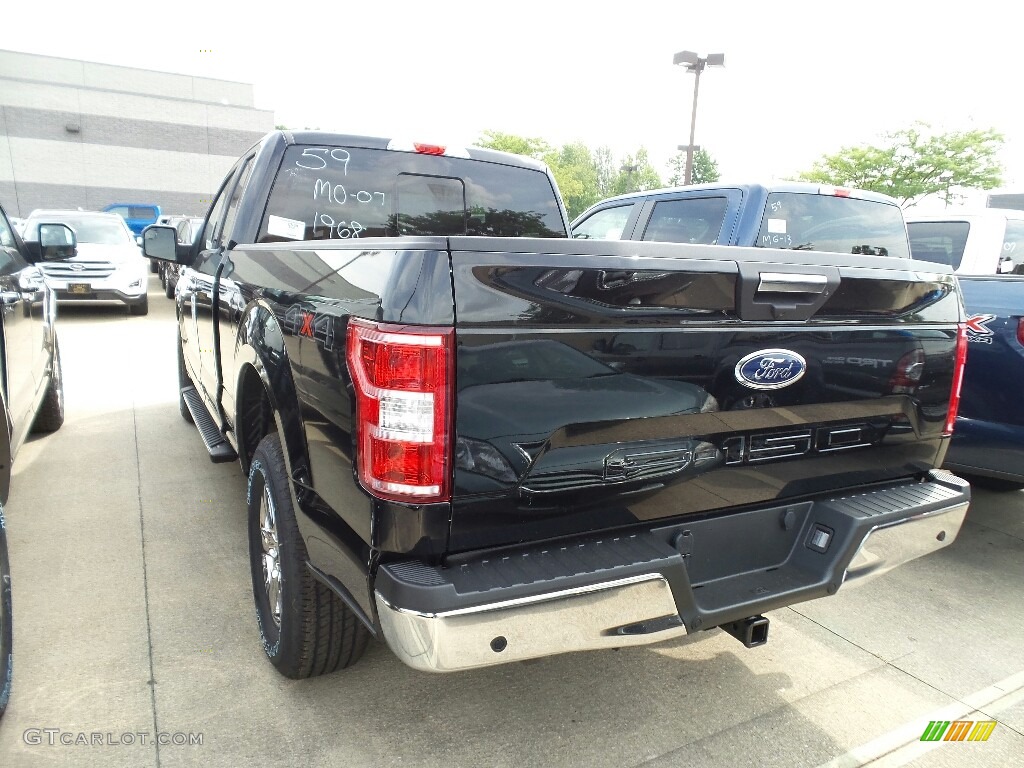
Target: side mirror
{"points": [[57, 242], [160, 242]]}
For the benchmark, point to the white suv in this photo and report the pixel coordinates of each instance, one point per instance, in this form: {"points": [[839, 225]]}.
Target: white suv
{"points": [[979, 241], [109, 265]]}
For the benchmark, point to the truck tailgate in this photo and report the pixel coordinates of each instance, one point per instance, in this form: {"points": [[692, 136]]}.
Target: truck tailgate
{"points": [[600, 384]]}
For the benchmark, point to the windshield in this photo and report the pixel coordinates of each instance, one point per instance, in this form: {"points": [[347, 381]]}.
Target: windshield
{"points": [[813, 222], [88, 229]]}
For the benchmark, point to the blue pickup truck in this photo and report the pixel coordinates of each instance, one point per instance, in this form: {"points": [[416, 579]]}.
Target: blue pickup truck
{"points": [[985, 247], [789, 215]]}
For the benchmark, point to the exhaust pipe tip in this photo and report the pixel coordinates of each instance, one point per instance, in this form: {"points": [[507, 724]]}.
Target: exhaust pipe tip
{"points": [[751, 631]]}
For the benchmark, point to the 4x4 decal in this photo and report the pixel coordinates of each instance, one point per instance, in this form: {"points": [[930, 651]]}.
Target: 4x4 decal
{"points": [[313, 325], [978, 330]]}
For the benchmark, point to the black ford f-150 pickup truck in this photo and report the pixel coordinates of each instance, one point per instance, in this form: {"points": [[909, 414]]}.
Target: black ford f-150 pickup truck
{"points": [[449, 446]]}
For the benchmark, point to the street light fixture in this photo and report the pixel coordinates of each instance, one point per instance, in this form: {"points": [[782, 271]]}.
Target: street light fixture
{"points": [[696, 64]]}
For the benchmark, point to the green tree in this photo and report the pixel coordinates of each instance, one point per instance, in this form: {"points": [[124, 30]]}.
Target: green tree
{"points": [[584, 176], [576, 173], [636, 174], [604, 162], [705, 168], [517, 145], [915, 162]]}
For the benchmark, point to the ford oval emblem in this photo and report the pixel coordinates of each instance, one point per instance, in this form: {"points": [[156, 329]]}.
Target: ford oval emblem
{"points": [[770, 369]]}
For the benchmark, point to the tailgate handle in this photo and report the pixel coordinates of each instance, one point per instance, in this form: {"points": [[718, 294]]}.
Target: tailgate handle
{"points": [[789, 292], [789, 282]]}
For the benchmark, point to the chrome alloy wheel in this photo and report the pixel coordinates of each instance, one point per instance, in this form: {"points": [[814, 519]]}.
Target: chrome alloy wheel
{"points": [[271, 554]]}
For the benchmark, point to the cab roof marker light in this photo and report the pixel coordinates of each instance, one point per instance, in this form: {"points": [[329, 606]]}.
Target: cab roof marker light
{"points": [[833, 191], [422, 148]]}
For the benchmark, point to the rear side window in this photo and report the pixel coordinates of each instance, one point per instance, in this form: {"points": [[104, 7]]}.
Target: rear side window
{"points": [[323, 193], [809, 222], [121, 210], [141, 212], [940, 241], [690, 220], [1013, 244], [606, 224]]}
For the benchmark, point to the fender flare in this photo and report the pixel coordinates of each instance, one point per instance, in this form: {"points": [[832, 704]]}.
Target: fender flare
{"points": [[261, 348]]}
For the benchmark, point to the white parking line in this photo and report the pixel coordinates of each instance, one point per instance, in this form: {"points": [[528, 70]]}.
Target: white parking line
{"points": [[902, 745]]}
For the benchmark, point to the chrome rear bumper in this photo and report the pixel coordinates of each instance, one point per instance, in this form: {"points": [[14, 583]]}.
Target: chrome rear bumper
{"points": [[427, 629], [888, 546], [607, 615]]}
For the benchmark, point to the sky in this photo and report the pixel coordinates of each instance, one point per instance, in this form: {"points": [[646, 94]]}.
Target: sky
{"points": [[801, 79]]}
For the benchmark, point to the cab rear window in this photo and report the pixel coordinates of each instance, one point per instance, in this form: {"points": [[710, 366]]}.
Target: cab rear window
{"points": [[942, 242], [324, 193], [817, 222]]}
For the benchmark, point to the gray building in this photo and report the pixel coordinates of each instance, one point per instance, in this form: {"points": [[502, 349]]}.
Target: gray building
{"points": [[80, 134]]}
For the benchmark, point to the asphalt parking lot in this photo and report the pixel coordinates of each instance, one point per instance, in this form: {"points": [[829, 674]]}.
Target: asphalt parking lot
{"points": [[134, 625]]}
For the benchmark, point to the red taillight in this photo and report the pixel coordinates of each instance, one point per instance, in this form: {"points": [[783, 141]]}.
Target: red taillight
{"points": [[1020, 331], [958, 378], [428, 149], [402, 379]]}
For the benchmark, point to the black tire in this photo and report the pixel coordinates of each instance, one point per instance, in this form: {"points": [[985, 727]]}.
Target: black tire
{"points": [[6, 616], [183, 381], [312, 632], [140, 307], [51, 412], [154, 266], [168, 287]]}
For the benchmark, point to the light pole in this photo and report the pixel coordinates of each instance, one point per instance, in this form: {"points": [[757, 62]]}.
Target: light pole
{"points": [[696, 64]]}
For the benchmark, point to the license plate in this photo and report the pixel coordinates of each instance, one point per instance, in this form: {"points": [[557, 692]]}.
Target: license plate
{"points": [[79, 288]]}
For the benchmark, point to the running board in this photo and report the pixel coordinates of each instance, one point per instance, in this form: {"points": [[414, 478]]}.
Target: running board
{"points": [[220, 450]]}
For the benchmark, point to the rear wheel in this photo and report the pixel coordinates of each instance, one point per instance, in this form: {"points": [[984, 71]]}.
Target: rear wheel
{"points": [[154, 266], [6, 614], [51, 412], [168, 286], [306, 629]]}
